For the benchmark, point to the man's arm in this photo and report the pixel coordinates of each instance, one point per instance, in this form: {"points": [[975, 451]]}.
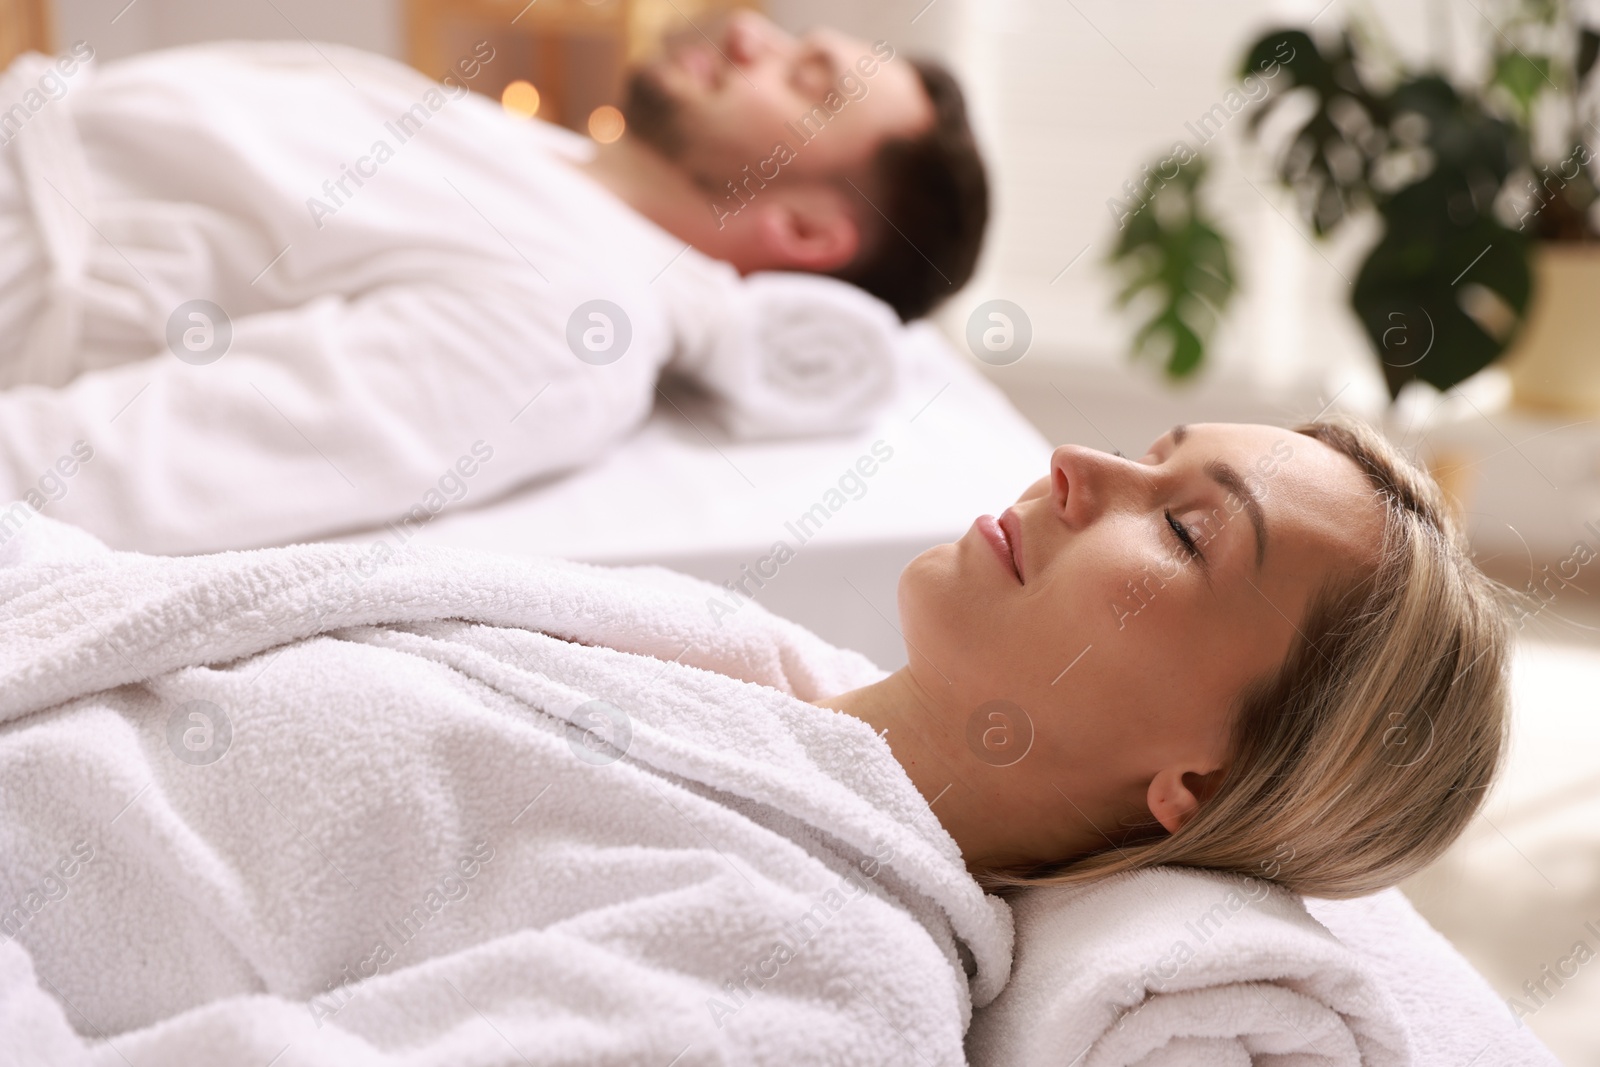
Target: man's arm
{"points": [[333, 416]]}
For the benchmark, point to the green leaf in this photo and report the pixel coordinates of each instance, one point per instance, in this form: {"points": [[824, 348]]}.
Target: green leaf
{"points": [[1171, 254], [1409, 292], [1187, 348], [1328, 194], [1523, 77]]}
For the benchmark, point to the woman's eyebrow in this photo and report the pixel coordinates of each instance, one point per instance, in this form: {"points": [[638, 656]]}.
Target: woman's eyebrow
{"points": [[1228, 478], [1224, 475]]}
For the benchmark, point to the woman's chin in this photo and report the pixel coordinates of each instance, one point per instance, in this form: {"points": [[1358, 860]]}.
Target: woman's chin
{"points": [[931, 564], [946, 603], [936, 581]]}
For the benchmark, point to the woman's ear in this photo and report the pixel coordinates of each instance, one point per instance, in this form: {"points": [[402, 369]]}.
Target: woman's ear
{"points": [[808, 229], [1175, 795]]}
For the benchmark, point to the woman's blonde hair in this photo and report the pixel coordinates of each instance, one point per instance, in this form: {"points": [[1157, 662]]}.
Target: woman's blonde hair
{"points": [[1367, 753]]}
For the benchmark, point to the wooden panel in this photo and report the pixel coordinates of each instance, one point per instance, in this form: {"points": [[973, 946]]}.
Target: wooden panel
{"points": [[24, 26]]}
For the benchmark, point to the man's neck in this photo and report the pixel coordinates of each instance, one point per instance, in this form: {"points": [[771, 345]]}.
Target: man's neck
{"points": [[656, 188]]}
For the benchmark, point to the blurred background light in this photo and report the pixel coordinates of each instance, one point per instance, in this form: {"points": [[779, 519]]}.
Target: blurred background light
{"points": [[520, 98], [606, 124]]}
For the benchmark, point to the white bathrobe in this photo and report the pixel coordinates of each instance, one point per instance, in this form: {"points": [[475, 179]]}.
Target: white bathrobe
{"points": [[364, 812], [400, 265]]}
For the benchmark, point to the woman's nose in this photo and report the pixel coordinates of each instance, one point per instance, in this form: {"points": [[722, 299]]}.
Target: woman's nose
{"points": [[1082, 479]]}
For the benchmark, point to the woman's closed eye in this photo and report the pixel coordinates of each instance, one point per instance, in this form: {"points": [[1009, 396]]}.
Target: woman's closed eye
{"points": [[1181, 532]]}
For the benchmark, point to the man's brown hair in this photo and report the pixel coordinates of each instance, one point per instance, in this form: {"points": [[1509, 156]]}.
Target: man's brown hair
{"points": [[924, 224]]}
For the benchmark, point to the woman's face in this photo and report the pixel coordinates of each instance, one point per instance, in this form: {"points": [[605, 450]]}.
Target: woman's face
{"points": [[1100, 681]]}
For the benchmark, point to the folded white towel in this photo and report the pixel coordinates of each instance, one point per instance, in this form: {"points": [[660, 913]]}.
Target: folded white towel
{"points": [[1172, 966], [788, 354], [345, 809]]}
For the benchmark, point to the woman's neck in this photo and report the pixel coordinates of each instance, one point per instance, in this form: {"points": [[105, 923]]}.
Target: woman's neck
{"points": [[927, 735]]}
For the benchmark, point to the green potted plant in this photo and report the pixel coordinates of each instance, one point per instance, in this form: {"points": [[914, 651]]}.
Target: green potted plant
{"points": [[1479, 193]]}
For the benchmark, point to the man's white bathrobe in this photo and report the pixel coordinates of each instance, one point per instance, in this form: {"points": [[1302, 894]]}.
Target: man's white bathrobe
{"points": [[399, 264]]}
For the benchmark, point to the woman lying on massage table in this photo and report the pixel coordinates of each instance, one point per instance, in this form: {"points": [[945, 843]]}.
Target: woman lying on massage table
{"points": [[298, 803], [1274, 641]]}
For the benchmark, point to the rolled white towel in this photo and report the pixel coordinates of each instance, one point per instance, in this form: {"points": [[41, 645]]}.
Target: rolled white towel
{"points": [[1172, 966], [788, 354], [1454, 1016]]}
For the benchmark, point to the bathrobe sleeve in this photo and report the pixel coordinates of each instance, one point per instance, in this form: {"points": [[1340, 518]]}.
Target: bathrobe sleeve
{"points": [[339, 414]]}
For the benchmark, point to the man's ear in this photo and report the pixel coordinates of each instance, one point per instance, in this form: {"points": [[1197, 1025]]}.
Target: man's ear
{"points": [[808, 229], [1175, 795]]}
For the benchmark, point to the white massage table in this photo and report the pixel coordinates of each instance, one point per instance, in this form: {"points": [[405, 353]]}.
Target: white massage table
{"points": [[681, 494]]}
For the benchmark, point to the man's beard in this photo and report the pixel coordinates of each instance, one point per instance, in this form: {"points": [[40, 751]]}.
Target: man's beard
{"points": [[653, 116]]}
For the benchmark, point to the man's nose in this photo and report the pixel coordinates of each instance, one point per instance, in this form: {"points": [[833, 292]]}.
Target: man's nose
{"points": [[750, 36]]}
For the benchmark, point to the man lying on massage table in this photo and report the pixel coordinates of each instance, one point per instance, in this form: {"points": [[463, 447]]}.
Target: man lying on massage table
{"points": [[470, 809], [253, 292]]}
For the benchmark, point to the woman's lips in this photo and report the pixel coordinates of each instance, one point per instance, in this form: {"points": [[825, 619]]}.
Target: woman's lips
{"points": [[1011, 525], [995, 534]]}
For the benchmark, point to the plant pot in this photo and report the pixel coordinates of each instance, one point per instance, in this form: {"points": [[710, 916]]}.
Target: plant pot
{"points": [[1555, 364]]}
